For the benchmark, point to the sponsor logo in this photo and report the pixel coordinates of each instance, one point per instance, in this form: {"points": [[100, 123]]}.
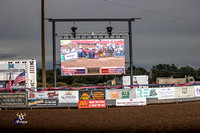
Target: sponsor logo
{"points": [[85, 96], [115, 95], [125, 94], [52, 94], [184, 90], [68, 95], [20, 119], [31, 95], [10, 66], [83, 104], [153, 93], [35, 102], [93, 70], [197, 91]]}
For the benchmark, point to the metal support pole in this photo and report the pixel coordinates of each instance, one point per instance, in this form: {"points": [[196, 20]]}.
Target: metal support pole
{"points": [[54, 50], [130, 52], [43, 44]]}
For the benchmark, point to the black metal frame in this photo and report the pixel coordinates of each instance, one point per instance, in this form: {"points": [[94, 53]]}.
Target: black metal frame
{"points": [[129, 20]]}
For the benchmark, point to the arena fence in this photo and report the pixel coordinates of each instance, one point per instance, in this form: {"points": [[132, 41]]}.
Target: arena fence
{"points": [[98, 97]]}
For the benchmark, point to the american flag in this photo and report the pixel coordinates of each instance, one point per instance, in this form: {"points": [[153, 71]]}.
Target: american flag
{"points": [[20, 78], [9, 82]]}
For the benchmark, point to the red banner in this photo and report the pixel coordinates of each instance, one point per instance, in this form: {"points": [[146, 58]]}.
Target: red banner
{"points": [[91, 104]]}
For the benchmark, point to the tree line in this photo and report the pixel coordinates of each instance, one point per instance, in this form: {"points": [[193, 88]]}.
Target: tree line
{"points": [[160, 70]]}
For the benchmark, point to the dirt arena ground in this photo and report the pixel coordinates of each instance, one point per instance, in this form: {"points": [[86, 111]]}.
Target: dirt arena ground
{"points": [[96, 63], [182, 117]]}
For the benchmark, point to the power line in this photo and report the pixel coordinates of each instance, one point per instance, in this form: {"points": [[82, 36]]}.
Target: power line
{"points": [[152, 11]]}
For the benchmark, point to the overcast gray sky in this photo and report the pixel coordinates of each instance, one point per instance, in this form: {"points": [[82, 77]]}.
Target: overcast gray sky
{"points": [[169, 31]]}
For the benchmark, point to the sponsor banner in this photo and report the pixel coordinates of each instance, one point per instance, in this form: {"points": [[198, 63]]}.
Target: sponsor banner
{"points": [[131, 102], [13, 100], [68, 96], [91, 104], [18, 68], [165, 93], [43, 102], [91, 94], [112, 70], [197, 91], [146, 92], [184, 92], [43, 95], [71, 56], [120, 94], [72, 71]]}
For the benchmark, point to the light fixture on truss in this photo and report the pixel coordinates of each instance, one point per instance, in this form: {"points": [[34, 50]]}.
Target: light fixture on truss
{"points": [[93, 35], [74, 31]]}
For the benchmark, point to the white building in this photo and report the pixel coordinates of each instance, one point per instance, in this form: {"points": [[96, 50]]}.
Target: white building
{"points": [[15, 67]]}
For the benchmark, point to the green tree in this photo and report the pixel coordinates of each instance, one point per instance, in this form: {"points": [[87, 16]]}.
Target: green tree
{"points": [[39, 75], [197, 75], [137, 71], [163, 70]]}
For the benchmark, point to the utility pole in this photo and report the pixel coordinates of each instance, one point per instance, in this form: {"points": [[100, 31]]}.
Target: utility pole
{"points": [[43, 44], [130, 51]]}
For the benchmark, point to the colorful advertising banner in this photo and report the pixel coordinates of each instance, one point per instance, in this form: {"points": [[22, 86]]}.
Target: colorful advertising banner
{"points": [[13, 100], [96, 56], [120, 94], [43, 102], [68, 96], [165, 93], [146, 92], [197, 91], [184, 92], [45, 98], [140, 101], [91, 104], [91, 94]]}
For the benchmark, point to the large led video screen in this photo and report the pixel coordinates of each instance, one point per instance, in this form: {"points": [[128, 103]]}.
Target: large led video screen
{"points": [[92, 57]]}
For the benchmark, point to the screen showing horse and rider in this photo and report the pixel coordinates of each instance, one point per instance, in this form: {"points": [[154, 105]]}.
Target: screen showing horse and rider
{"points": [[92, 57]]}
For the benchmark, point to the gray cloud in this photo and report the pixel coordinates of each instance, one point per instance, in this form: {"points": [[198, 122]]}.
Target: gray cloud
{"points": [[160, 37]]}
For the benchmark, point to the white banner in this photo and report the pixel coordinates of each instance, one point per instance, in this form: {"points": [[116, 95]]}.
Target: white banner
{"points": [[184, 92], [197, 91], [165, 93], [131, 102], [68, 96], [43, 95], [71, 56]]}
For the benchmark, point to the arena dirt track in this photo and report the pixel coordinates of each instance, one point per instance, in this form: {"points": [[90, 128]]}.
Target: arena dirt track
{"points": [[182, 117]]}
